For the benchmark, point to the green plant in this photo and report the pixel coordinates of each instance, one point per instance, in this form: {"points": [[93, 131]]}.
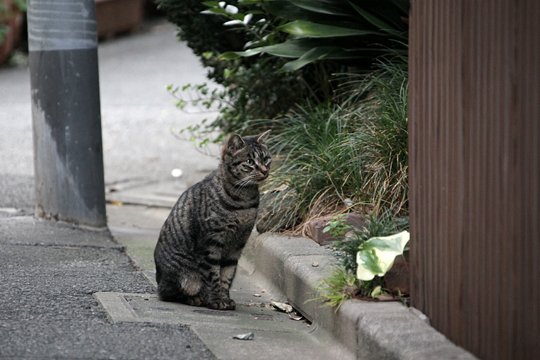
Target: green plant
{"points": [[340, 286], [251, 88], [353, 148], [255, 92], [376, 256], [203, 33], [376, 225], [338, 226], [371, 250], [381, 97], [310, 31], [316, 158]]}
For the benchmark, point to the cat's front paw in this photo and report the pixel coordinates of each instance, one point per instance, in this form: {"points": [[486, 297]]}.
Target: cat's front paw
{"points": [[221, 304]]}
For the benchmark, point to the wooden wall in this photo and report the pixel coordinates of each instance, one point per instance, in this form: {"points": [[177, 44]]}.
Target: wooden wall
{"points": [[474, 147]]}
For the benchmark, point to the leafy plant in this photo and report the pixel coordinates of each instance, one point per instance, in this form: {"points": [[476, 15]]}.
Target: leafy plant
{"points": [[376, 255], [376, 225], [250, 88], [311, 31], [338, 226], [255, 92], [203, 34], [353, 148], [375, 251]]}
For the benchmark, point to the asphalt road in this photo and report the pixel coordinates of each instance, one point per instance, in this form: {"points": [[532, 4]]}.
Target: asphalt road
{"points": [[49, 273]]}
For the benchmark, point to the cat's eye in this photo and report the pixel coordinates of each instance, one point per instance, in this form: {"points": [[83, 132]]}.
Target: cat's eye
{"points": [[250, 162]]}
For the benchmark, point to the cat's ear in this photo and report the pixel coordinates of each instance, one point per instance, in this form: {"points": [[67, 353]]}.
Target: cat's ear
{"points": [[261, 138], [233, 144]]}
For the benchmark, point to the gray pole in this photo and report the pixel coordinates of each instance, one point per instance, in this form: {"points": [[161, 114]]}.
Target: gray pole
{"points": [[68, 157]]}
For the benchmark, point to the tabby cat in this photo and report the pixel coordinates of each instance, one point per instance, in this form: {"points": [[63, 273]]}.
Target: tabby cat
{"points": [[201, 240]]}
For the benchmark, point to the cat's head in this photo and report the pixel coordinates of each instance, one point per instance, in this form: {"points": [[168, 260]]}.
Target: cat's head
{"points": [[246, 160]]}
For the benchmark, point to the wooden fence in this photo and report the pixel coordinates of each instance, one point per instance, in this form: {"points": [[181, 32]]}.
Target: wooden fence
{"points": [[474, 124]]}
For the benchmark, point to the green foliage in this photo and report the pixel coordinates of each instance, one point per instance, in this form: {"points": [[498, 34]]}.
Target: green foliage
{"points": [[251, 88], [383, 136], [340, 286], [353, 148], [376, 225], [316, 157], [343, 283], [311, 31], [338, 226], [376, 255], [255, 92]]}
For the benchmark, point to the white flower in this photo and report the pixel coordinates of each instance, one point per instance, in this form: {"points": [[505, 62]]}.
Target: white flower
{"points": [[231, 9], [247, 18], [222, 4]]}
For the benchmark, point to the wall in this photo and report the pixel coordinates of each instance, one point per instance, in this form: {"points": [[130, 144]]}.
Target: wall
{"points": [[475, 172]]}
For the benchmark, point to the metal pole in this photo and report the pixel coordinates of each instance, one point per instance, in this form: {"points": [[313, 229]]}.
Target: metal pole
{"points": [[68, 155]]}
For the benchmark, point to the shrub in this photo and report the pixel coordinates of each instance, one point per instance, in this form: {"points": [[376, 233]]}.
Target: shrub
{"points": [[253, 88], [336, 35], [352, 32], [351, 153]]}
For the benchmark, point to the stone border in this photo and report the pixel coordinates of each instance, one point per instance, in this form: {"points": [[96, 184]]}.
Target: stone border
{"points": [[296, 266]]}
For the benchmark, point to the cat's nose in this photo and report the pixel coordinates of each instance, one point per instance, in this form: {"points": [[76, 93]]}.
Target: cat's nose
{"points": [[263, 169]]}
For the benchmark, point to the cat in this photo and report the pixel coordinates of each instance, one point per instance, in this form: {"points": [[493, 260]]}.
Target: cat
{"points": [[200, 242]]}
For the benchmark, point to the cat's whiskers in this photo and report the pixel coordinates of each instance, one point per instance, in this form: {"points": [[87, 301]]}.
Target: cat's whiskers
{"points": [[244, 182]]}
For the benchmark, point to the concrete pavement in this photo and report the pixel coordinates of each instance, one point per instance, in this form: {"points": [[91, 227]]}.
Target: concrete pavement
{"points": [[276, 334]]}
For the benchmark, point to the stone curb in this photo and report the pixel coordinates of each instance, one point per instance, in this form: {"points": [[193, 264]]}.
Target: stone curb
{"points": [[296, 266]]}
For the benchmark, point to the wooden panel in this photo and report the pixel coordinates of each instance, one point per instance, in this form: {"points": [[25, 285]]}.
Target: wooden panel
{"points": [[475, 172]]}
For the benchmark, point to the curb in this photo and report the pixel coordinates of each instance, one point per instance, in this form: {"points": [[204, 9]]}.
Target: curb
{"points": [[369, 330]]}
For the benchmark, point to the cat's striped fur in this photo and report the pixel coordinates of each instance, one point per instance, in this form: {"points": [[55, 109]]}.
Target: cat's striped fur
{"points": [[201, 240]]}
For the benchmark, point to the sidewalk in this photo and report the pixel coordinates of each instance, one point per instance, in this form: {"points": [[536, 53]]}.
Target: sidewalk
{"points": [[277, 336], [281, 268]]}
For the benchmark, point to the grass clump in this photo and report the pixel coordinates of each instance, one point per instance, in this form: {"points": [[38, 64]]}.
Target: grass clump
{"points": [[342, 285], [316, 159], [383, 136], [348, 154]]}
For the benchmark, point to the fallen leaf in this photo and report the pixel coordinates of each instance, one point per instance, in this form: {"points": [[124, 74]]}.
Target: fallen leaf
{"points": [[295, 316], [282, 306], [246, 336]]}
